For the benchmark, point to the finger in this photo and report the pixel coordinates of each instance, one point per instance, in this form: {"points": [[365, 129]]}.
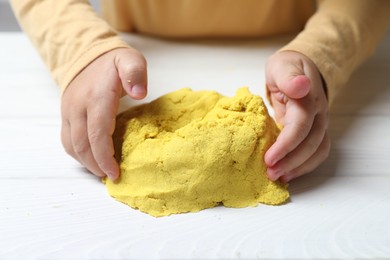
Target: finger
{"points": [[312, 163], [81, 147], [288, 77], [132, 70], [279, 109], [66, 140], [303, 151], [101, 126], [296, 86], [298, 122]]}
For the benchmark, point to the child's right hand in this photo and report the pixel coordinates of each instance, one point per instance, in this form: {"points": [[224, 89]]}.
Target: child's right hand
{"points": [[90, 104]]}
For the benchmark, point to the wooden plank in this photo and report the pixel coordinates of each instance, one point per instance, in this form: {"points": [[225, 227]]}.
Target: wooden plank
{"points": [[50, 208], [327, 217]]}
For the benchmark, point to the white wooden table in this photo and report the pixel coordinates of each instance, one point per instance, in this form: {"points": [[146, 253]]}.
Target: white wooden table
{"points": [[51, 208]]}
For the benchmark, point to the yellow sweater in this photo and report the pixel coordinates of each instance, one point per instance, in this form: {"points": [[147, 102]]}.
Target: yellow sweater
{"points": [[337, 35]]}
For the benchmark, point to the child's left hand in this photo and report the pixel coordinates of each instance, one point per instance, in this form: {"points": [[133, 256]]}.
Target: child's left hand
{"points": [[298, 97]]}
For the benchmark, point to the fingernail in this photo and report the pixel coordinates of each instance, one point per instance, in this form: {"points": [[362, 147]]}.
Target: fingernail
{"points": [[272, 174], [138, 90], [272, 163], [112, 176], [278, 174], [286, 178], [270, 160]]}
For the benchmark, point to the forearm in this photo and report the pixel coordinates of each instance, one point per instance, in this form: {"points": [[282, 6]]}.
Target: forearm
{"points": [[68, 34], [340, 36]]}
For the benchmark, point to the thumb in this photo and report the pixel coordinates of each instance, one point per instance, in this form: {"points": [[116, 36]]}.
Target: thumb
{"points": [[132, 70], [296, 86], [285, 74]]}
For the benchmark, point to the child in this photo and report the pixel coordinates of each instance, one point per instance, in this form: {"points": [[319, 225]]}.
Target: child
{"points": [[95, 68]]}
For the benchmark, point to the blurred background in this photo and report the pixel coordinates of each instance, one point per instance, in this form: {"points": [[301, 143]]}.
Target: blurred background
{"points": [[8, 22]]}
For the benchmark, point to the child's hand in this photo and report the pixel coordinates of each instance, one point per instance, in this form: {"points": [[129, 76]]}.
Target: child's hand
{"points": [[298, 97], [90, 103]]}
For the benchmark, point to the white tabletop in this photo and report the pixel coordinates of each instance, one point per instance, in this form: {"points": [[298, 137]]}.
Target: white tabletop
{"points": [[50, 207]]}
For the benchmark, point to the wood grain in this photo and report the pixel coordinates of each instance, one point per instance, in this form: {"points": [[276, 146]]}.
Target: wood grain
{"points": [[51, 208]]}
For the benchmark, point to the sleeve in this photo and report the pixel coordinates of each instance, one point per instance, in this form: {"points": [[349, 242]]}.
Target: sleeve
{"points": [[68, 34], [340, 36]]}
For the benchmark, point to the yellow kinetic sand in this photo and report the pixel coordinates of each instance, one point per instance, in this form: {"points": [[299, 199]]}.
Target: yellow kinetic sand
{"points": [[188, 151]]}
